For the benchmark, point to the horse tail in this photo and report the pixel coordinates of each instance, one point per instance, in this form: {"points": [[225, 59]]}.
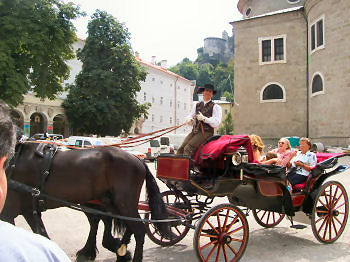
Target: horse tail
{"points": [[156, 205]]}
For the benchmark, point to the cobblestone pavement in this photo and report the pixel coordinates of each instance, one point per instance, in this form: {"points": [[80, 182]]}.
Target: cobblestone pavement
{"points": [[70, 228]]}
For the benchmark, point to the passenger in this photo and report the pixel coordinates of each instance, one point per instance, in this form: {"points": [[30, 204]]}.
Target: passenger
{"points": [[205, 116], [17, 244], [258, 147], [303, 161], [284, 152]]}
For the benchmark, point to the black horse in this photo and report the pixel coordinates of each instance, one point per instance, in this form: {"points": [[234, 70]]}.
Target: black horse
{"points": [[107, 174]]}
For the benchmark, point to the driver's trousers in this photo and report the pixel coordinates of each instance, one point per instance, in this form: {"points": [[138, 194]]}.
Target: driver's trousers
{"points": [[192, 142]]}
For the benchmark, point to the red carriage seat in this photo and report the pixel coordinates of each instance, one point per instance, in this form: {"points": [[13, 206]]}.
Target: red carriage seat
{"points": [[216, 148], [320, 158]]}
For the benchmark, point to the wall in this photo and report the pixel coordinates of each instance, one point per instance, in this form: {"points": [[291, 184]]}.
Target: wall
{"points": [[270, 120]]}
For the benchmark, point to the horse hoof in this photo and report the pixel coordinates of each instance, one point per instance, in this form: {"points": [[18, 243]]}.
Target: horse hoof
{"points": [[125, 258], [121, 250]]}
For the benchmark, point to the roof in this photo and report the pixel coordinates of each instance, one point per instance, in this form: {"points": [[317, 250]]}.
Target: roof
{"points": [[282, 11], [164, 70]]}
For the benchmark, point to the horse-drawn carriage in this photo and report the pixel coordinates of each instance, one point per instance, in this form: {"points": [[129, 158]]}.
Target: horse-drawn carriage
{"points": [[223, 168]]}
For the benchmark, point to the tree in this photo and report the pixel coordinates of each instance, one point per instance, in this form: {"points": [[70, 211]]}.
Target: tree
{"points": [[227, 127], [103, 99], [186, 69], [228, 95], [36, 40]]}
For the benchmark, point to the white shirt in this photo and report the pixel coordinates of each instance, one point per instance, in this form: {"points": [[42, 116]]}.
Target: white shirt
{"points": [[214, 121], [309, 158]]}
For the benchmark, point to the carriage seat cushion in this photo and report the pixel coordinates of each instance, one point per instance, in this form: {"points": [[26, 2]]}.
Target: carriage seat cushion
{"points": [[299, 186]]}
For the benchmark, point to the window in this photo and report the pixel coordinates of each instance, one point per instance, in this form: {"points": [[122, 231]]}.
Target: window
{"points": [[171, 103], [248, 11], [178, 104], [144, 96], [178, 87], [153, 99], [272, 92], [185, 106], [161, 100], [177, 121], [272, 49], [161, 82], [161, 119], [153, 79], [171, 120], [152, 118], [317, 84], [317, 34], [226, 111]]}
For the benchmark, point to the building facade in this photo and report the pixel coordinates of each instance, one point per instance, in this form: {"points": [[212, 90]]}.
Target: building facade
{"points": [[169, 94], [292, 61]]}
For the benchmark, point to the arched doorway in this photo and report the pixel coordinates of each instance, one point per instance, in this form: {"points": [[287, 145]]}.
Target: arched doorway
{"points": [[59, 124], [17, 118], [37, 123]]}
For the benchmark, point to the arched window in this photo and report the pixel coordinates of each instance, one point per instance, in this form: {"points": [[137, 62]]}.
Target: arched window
{"points": [[317, 84], [272, 92]]}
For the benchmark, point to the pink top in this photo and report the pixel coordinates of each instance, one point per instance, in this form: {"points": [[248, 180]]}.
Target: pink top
{"points": [[283, 158]]}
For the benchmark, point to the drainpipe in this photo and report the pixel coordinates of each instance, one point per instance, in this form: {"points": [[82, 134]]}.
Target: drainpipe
{"points": [[175, 101], [307, 75]]}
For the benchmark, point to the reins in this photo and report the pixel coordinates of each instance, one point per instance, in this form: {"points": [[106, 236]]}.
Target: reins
{"points": [[130, 142]]}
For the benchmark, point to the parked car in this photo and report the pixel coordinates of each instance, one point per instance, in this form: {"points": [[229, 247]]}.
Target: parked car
{"points": [[84, 141], [41, 136], [134, 152]]}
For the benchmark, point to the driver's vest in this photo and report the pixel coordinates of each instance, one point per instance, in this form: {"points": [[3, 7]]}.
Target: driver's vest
{"points": [[206, 110]]}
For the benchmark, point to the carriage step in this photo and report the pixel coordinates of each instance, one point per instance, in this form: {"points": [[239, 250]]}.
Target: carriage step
{"points": [[299, 226]]}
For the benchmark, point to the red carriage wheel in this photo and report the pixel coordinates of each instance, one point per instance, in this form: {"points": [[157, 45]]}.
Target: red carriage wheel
{"points": [[330, 212], [221, 234], [178, 201], [267, 218]]}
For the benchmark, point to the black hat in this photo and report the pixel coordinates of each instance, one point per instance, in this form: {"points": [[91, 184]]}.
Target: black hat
{"points": [[206, 86]]}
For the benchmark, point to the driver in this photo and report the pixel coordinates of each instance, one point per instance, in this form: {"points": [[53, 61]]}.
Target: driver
{"points": [[204, 117]]}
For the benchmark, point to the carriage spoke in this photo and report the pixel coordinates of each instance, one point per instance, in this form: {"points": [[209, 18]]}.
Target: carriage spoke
{"points": [[324, 221], [335, 199], [236, 239], [211, 252], [340, 206], [325, 230], [263, 215], [232, 223], [210, 236], [210, 224], [208, 244], [218, 253], [326, 206], [322, 217], [338, 199], [235, 230], [224, 251], [218, 220], [338, 220], [334, 227], [226, 217], [232, 249]]}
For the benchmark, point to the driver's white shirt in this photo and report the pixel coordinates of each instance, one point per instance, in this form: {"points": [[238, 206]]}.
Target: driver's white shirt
{"points": [[214, 121]]}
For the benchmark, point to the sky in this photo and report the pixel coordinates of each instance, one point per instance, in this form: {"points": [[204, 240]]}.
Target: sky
{"points": [[168, 29]]}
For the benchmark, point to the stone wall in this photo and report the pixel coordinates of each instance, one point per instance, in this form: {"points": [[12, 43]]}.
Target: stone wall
{"points": [[329, 112], [271, 119]]}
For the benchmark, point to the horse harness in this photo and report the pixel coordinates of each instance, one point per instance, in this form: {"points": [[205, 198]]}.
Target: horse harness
{"points": [[47, 152]]}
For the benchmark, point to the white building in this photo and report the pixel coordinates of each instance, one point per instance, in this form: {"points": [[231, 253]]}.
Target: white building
{"points": [[170, 105], [170, 96]]}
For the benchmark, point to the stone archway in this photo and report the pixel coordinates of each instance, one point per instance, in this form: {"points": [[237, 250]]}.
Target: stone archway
{"points": [[59, 124], [38, 123], [17, 118]]}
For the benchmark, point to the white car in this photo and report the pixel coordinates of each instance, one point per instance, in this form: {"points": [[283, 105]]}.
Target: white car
{"points": [[134, 152]]}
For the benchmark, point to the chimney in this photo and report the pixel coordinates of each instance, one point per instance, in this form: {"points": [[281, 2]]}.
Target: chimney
{"points": [[137, 54], [153, 61], [163, 64]]}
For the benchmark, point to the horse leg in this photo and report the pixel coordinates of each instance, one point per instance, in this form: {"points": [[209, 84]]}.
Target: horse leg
{"points": [[108, 241], [122, 253], [35, 222], [88, 252]]}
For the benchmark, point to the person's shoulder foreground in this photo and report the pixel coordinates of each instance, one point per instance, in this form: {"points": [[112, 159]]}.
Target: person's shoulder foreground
{"points": [[18, 244]]}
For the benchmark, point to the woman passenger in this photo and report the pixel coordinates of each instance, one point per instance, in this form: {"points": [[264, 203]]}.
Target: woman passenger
{"points": [[257, 146], [284, 152]]}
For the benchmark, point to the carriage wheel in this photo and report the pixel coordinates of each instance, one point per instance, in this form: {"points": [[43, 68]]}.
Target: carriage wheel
{"points": [[221, 234], [180, 231], [330, 212], [267, 218]]}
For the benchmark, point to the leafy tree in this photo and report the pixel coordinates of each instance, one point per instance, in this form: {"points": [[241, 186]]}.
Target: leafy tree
{"points": [[205, 74], [227, 127], [36, 40], [186, 69], [103, 99], [228, 95]]}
